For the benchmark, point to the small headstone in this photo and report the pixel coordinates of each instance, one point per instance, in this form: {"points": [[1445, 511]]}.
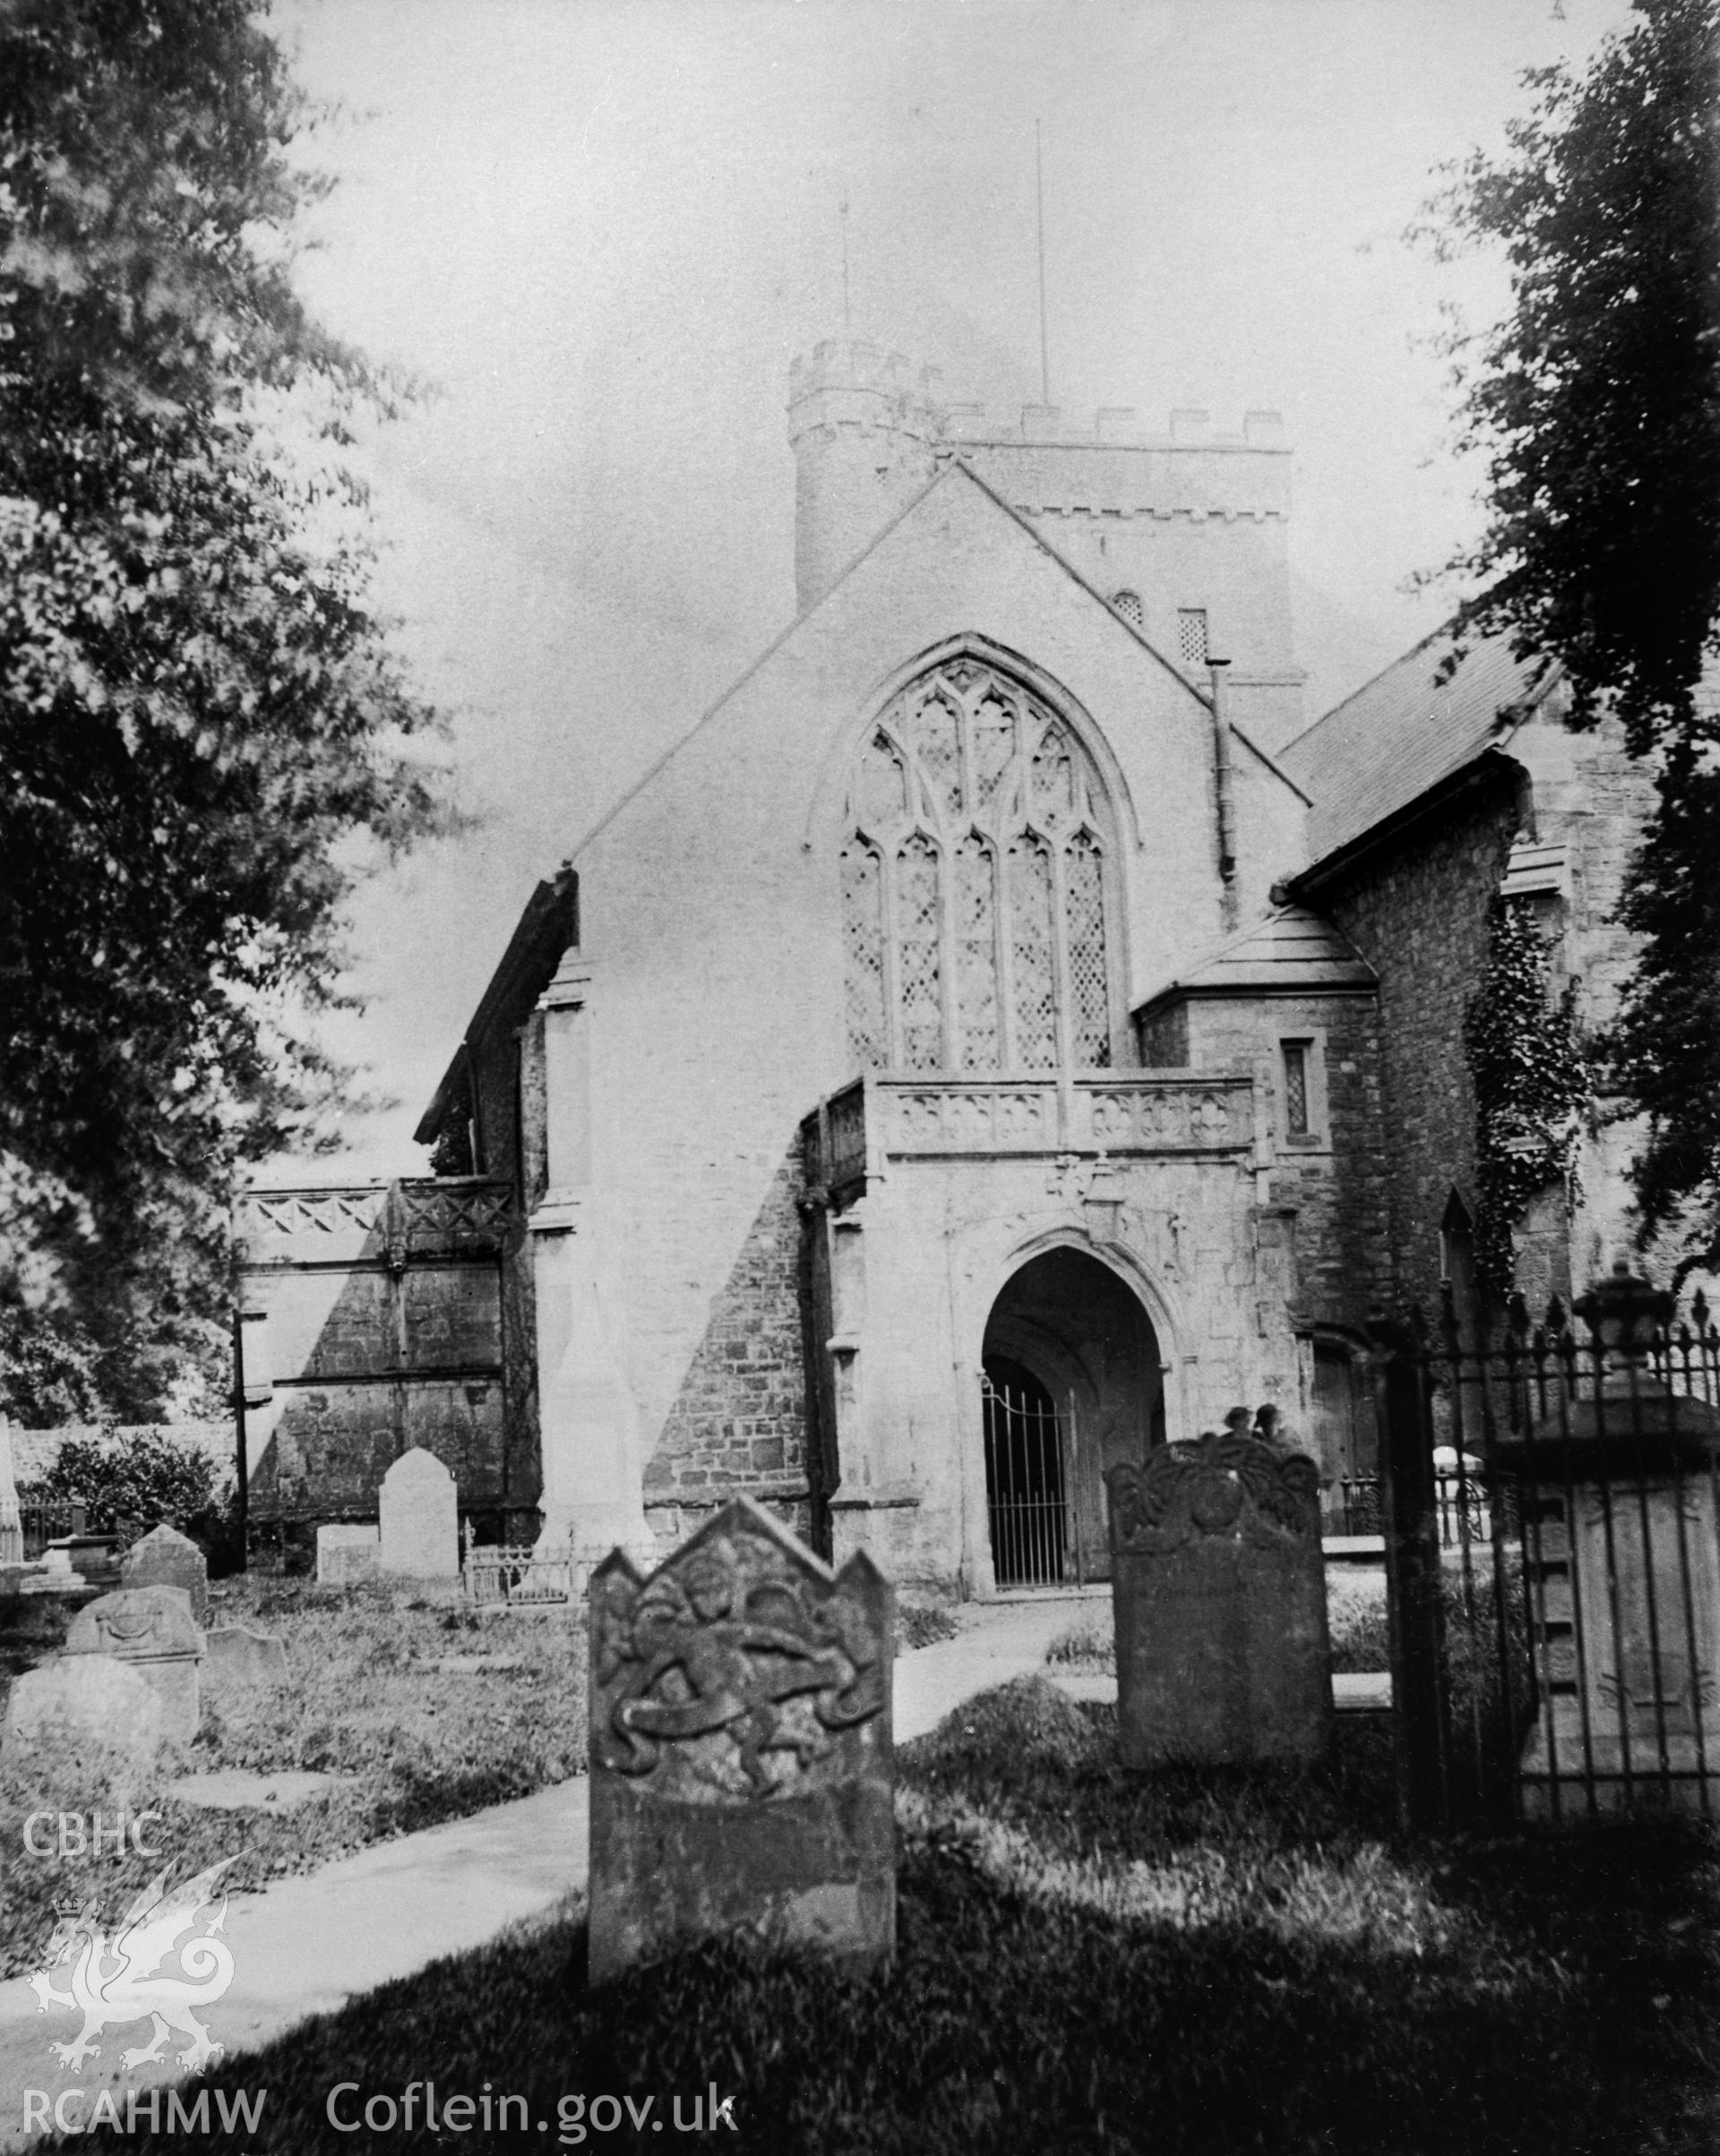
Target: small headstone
{"points": [[346, 1554], [421, 1517], [90, 1703], [12, 1518], [165, 1558], [236, 1656], [741, 1767], [151, 1629], [1219, 1591]]}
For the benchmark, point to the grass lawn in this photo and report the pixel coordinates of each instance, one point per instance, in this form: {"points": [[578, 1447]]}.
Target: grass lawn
{"points": [[410, 1744], [1355, 1611], [1188, 1964]]}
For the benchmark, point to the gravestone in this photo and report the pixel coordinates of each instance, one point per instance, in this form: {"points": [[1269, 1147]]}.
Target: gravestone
{"points": [[165, 1558], [346, 1555], [90, 1703], [1219, 1591], [12, 1518], [420, 1524], [151, 1630], [237, 1657], [741, 1767]]}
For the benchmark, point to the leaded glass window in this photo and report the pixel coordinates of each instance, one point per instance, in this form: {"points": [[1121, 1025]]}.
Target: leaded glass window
{"points": [[1088, 986], [919, 939], [1032, 963], [977, 884], [976, 953], [863, 936]]}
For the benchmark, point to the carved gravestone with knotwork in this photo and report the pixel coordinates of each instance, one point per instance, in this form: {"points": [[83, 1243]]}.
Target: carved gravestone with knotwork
{"points": [[1218, 1589], [740, 1769]]}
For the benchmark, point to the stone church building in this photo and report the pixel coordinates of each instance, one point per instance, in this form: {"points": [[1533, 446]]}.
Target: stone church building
{"points": [[1003, 1034]]}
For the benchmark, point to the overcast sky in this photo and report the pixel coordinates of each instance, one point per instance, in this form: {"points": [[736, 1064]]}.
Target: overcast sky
{"points": [[603, 228]]}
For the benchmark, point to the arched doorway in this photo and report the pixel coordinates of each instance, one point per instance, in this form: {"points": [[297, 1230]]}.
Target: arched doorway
{"points": [[1072, 1385]]}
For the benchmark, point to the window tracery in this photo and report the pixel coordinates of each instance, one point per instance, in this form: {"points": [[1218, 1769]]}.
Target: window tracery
{"points": [[977, 912]]}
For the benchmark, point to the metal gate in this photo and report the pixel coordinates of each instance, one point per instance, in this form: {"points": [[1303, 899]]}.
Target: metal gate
{"points": [[1026, 1487], [1550, 1504]]}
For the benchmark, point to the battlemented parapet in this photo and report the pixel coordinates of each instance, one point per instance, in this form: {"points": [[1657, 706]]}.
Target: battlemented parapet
{"points": [[1184, 523]]}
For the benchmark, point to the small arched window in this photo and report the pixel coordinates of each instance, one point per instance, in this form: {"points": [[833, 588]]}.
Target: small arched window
{"points": [[1128, 605], [977, 915]]}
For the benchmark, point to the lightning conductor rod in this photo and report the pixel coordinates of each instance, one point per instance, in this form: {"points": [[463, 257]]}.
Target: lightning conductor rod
{"points": [[1039, 191], [847, 324]]}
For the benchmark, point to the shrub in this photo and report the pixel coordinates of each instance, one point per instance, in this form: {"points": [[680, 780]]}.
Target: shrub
{"points": [[923, 1625], [147, 1477]]}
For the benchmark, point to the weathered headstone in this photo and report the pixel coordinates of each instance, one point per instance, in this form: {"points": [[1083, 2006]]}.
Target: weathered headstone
{"points": [[90, 1703], [741, 1766], [149, 1629], [12, 1519], [421, 1517], [164, 1558], [346, 1554], [1218, 1589], [235, 1656]]}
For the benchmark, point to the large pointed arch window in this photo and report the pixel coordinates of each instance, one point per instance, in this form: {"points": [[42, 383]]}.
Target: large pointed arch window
{"points": [[978, 911]]}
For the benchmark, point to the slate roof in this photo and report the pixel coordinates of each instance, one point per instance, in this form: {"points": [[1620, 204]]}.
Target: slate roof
{"points": [[1291, 952], [1405, 732]]}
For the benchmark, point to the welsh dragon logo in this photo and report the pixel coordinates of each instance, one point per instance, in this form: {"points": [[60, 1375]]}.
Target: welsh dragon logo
{"points": [[121, 1980]]}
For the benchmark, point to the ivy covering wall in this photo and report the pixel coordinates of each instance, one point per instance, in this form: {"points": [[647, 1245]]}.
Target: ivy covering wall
{"points": [[1532, 1085]]}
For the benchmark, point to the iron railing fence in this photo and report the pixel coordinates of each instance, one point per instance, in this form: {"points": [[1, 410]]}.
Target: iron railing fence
{"points": [[519, 1574], [46, 1520], [1026, 1504], [1550, 1504], [1351, 1504]]}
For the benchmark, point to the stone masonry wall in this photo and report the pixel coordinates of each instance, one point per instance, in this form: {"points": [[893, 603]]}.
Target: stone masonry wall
{"points": [[1163, 1036], [1417, 911], [499, 1081], [739, 1420], [1331, 1191]]}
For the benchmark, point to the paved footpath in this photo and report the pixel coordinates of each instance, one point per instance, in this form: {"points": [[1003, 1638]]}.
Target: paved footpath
{"points": [[310, 1944]]}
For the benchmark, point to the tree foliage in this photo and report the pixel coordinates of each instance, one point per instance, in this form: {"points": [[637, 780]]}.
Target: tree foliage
{"points": [[146, 1477], [203, 735], [1597, 404]]}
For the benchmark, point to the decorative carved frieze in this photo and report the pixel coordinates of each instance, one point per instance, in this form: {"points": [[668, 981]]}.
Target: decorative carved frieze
{"points": [[288, 1214], [457, 1215], [388, 1220], [1152, 1115]]}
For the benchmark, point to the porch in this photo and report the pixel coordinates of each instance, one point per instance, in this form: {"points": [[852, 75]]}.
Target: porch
{"points": [[1112, 1115]]}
